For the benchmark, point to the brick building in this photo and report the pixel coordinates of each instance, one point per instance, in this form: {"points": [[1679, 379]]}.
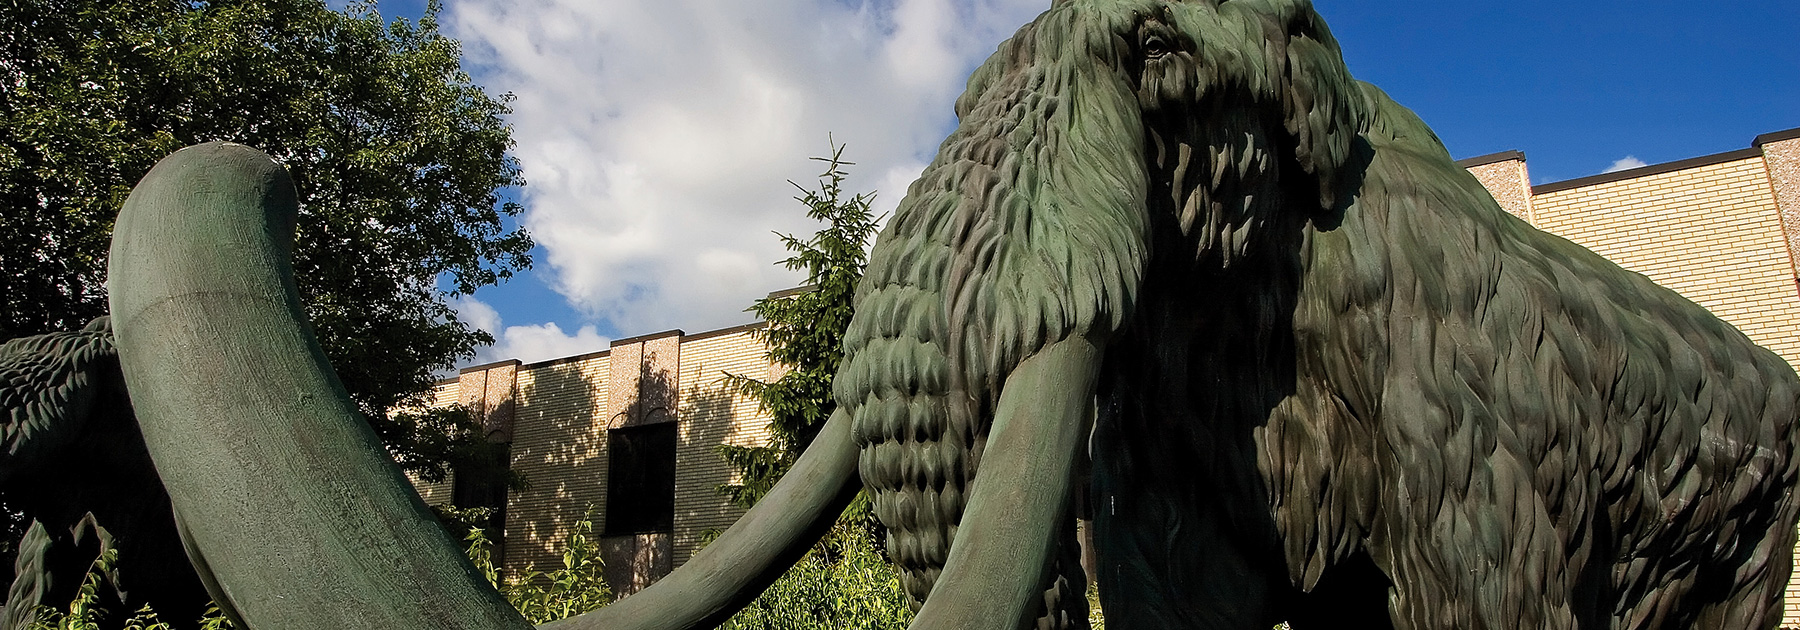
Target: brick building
{"points": [[636, 425], [639, 424]]}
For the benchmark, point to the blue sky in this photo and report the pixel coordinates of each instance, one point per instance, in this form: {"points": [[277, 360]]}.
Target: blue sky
{"points": [[1578, 85], [657, 134]]}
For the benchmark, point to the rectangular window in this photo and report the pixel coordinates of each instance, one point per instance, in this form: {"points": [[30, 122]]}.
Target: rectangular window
{"points": [[640, 486]]}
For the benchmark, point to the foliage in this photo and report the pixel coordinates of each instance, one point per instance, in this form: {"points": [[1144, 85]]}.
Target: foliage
{"points": [[458, 522], [449, 439], [215, 619], [578, 587], [843, 583], [396, 155], [83, 612], [805, 331]]}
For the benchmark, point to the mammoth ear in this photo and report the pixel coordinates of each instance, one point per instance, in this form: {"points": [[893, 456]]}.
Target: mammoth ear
{"points": [[1323, 107]]}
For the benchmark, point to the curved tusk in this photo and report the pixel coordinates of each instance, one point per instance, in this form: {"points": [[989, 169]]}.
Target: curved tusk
{"points": [[293, 511], [994, 575], [280, 486], [749, 556]]}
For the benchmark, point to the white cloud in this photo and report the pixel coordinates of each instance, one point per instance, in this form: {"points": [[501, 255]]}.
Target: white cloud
{"points": [[545, 341], [1626, 163], [529, 343], [658, 135], [478, 314]]}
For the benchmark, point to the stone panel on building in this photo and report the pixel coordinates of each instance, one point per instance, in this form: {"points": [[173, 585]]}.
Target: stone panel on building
{"points": [[1506, 178], [1781, 152]]}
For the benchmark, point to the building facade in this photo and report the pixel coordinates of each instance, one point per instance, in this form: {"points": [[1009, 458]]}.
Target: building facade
{"points": [[626, 437], [632, 433]]}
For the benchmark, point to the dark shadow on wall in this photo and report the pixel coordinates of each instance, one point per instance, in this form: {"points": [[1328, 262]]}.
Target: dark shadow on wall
{"points": [[708, 421], [558, 449]]}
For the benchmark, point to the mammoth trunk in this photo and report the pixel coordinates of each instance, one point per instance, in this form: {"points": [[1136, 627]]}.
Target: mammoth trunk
{"points": [[1024, 236]]}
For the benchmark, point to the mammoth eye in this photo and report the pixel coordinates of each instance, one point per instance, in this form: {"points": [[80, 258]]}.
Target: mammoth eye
{"points": [[1155, 46]]}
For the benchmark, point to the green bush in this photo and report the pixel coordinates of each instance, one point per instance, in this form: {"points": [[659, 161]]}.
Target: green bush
{"points": [[579, 586], [842, 583]]}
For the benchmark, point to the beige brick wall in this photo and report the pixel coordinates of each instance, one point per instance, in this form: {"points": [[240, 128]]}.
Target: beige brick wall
{"points": [[1711, 233], [442, 394], [561, 415], [559, 446], [712, 414]]}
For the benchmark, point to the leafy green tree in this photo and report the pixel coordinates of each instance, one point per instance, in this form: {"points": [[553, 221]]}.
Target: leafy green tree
{"points": [[397, 156], [805, 331]]}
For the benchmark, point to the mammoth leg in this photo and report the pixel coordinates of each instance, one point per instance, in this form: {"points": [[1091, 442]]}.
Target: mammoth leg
{"points": [[53, 563], [1183, 538], [37, 577], [1065, 599], [1752, 594], [1170, 559], [1466, 537]]}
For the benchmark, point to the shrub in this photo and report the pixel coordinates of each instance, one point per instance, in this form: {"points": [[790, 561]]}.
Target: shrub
{"points": [[579, 586], [842, 583]]}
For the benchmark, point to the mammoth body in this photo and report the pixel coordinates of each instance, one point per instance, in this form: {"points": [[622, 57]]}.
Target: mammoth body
{"points": [[1336, 382]]}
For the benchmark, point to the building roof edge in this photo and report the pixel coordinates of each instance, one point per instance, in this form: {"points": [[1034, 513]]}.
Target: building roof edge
{"points": [[1484, 160], [1775, 136], [1647, 170]]}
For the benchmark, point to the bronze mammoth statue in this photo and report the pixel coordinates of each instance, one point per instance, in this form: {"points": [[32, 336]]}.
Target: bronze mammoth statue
{"points": [[1336, 383], [1307, 367]]}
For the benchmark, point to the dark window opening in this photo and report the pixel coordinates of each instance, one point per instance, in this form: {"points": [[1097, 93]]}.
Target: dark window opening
{"points": [[481, 482], [640, 486]]}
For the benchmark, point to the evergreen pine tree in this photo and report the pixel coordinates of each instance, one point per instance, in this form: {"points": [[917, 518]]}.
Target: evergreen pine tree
{"points": [[805, 331]]}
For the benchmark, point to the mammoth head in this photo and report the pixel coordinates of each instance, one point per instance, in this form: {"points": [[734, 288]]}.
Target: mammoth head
{"points": [[1100, 132]]}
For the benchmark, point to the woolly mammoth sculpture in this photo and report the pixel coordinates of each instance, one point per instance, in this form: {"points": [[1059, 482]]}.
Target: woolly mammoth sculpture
{"points": [[1333, 378], [1337, 383]]}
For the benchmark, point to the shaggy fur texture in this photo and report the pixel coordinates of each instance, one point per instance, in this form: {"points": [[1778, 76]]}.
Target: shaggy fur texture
{"points": [[1343, 386]]}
